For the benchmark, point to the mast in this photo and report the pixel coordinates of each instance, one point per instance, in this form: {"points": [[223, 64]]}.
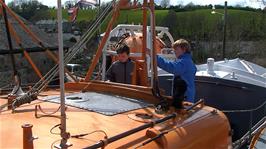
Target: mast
{"points": [[63, 133]]}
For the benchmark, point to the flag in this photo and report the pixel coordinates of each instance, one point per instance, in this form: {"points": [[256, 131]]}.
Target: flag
{"points": [[73, 12]]}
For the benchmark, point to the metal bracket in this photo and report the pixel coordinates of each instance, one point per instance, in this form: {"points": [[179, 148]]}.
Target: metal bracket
{"points": [[45, 114]]}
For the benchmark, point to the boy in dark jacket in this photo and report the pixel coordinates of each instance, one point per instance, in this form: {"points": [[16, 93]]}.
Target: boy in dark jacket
{"points": [[121, 70]]}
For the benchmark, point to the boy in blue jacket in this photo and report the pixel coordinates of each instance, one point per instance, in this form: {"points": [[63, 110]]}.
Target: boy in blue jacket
{"points": [[184, 71]]}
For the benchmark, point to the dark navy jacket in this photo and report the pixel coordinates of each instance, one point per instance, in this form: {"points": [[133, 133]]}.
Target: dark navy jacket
{"points": [[183, 67], [120, 72]]}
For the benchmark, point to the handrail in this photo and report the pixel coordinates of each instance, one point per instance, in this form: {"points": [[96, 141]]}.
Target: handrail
{"points": [[252, 129], [248, 136]]}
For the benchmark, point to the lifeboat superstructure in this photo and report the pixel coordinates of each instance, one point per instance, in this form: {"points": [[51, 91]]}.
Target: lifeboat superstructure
{"points": [[102, 114]]}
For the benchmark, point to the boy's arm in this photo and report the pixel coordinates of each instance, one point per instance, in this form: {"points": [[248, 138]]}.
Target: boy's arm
{"points": [[176, 67]]}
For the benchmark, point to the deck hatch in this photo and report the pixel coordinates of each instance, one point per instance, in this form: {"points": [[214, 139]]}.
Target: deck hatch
{"points": [[101, 103]]}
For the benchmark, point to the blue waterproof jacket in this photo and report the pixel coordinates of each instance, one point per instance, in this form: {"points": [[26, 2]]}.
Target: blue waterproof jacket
{"points": [[183, 67]]}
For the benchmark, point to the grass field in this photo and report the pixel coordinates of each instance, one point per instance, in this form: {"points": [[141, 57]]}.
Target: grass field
{"points": [[195, 23]]}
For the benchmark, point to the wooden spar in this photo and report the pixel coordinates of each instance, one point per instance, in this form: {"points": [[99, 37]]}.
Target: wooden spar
{"points": [[32, 64], [144, 42], [143, 88], [28, 58], [18, 41], [34, 37], [104, 40], [9, 39]]}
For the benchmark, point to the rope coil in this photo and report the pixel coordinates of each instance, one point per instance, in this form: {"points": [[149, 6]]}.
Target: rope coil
{"points": [[27, 98]]}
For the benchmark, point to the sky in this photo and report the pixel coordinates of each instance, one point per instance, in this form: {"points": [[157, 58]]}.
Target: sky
{"points": [[250, 3]]}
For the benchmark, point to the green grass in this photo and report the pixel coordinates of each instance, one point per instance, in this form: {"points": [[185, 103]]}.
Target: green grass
{"points": [[130, 16], [135, 16], [190, 24], [126, 16]]}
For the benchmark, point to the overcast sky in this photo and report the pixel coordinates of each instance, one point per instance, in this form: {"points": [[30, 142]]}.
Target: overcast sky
{"points": [[250, 3]]}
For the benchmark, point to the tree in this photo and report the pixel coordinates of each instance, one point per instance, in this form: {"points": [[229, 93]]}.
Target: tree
{"points": [[26, 8], [40, 15], [165, 3], [190, 4]]}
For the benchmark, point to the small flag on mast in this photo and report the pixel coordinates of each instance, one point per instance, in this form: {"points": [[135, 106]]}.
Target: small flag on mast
{"points": [[73, 12]]}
